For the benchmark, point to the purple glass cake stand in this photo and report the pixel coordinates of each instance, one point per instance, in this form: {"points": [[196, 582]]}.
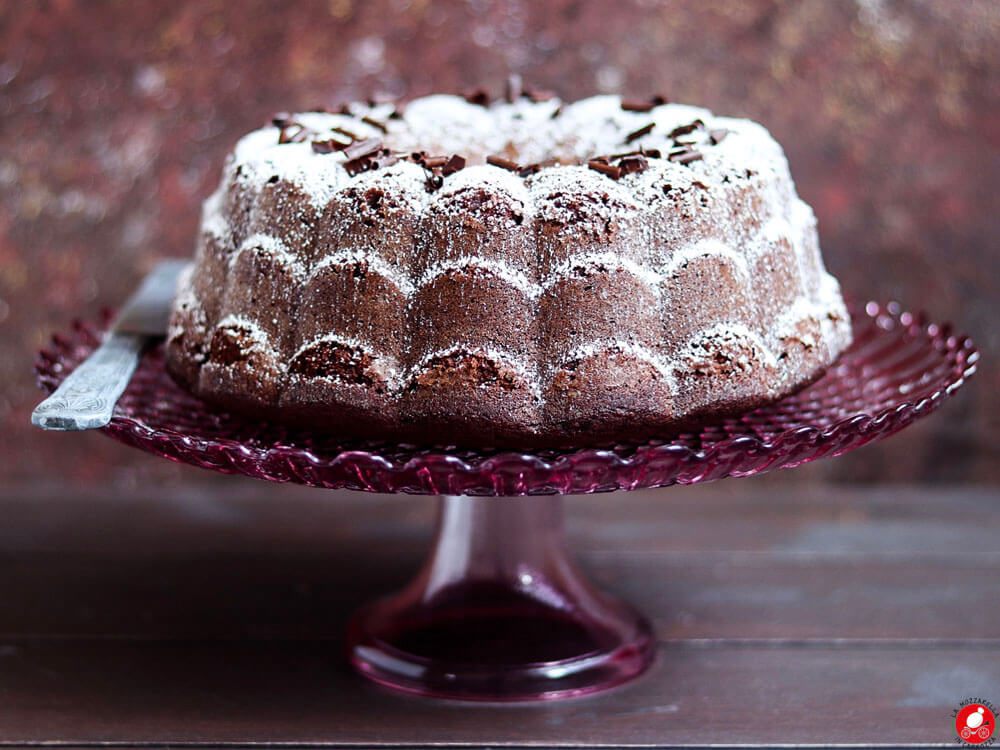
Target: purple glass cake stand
{"points": [[499, 612]]}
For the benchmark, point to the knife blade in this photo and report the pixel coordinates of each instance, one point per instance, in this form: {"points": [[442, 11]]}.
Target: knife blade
{"points": [[86, 399]]}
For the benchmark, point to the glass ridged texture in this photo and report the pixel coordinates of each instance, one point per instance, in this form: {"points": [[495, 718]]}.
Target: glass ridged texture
{"points": [[900, 368]]}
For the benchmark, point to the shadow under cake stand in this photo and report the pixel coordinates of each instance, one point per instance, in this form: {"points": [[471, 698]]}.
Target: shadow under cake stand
{"points": [[499, 611]]}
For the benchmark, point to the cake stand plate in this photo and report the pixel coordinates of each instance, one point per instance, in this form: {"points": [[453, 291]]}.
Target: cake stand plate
{"points": [[499, 612]]}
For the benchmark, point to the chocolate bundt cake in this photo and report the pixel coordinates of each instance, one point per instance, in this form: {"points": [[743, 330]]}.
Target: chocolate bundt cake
{"points": [[522, 272]]}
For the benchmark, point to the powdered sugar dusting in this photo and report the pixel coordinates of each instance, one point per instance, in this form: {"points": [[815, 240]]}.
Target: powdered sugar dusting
{"points": [[471, 264], [736, 339], [662, 365], [587, 263], [710, 248], [510, 360], [386, 366], [348, 257], [250, 327], [565, 220], [213, 218]]}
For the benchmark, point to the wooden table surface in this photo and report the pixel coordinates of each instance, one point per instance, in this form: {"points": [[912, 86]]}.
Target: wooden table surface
{"points": [[212, 614]]}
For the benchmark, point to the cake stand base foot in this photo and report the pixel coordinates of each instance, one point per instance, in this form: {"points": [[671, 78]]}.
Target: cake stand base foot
{"points": [[499, 613]]}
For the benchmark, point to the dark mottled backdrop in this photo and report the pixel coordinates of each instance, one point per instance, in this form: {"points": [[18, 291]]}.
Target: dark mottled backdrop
{"points": [[115, 117]]}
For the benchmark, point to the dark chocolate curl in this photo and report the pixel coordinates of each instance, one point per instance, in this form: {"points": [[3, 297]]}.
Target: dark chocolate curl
{"points": [[636, 134], [363, 148], [607, 169], [503, 163]]}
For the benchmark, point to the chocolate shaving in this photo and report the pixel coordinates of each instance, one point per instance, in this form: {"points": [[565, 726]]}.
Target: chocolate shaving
{"points": [[514, 89], [535, 168], [438, 167], [348, 133], [717, 135], [376, 159], [644, 130], [633, 106], [344, 109], [357, 166], [375, 123], [292, 132], [328, 146], [613, 157], [685, 156], [633, 164], [454, 164], [651, 153], [499, 161], [685, 129], [281, 119], [397, 111], [637, 106], [633, 161], [478, 96], [363, 148], [599, 165], [384, 158]]}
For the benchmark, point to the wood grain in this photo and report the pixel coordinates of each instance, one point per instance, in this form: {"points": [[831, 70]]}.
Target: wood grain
{"points": [[195, 616]]}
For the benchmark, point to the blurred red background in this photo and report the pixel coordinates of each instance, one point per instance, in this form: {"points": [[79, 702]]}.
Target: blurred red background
{"points": [[115, 118]]}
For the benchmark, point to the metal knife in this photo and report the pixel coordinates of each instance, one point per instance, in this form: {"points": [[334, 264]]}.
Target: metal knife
{"points": [[86, 399]]}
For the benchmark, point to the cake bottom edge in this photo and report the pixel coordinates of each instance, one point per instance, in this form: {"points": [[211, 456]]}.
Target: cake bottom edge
{"points": [[362, 422]]}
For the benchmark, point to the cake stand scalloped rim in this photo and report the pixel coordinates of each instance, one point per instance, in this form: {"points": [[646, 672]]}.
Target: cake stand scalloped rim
{"points": [[651, 464]]}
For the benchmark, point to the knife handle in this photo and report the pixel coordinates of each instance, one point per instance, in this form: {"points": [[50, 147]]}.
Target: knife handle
{"points": [[86, 399]]}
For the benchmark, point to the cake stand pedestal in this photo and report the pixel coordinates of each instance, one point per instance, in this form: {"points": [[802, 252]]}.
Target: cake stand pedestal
{"points": [[499, 612]]}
